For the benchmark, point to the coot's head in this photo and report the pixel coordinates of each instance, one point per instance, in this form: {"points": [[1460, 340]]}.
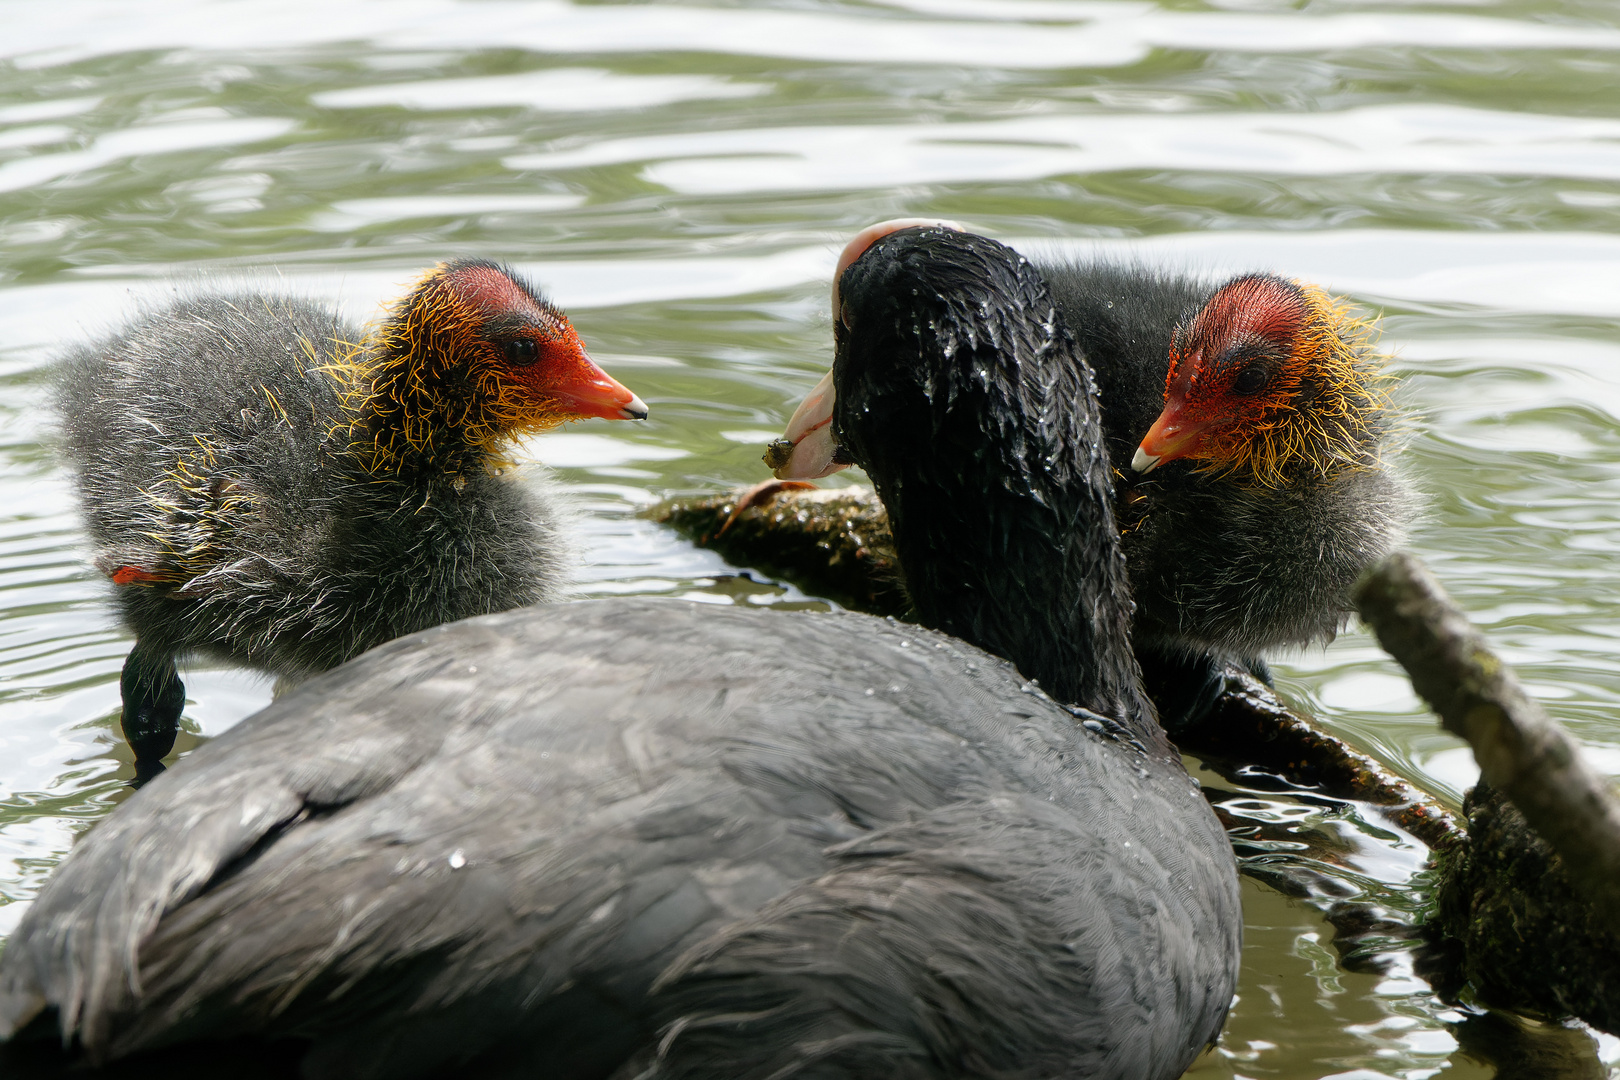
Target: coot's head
{"points": [[1270, 380], [963, 395], [809, 449], [474, 354]]}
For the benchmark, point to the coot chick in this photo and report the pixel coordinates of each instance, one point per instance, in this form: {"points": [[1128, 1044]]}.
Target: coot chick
{"points": [[1257, 422], [266, 486], [1259, 428], [649, 838], [1250, 427]]}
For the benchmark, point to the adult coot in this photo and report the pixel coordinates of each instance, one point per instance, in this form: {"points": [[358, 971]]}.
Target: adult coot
{"points": [[265, 485], [1250, 425], [642, 838]]}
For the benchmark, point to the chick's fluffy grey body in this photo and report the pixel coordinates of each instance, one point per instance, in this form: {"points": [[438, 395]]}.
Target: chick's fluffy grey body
{"points": [[211, 448]]}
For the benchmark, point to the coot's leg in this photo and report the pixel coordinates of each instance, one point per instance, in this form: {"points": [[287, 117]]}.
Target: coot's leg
{"points": [[1261, 670], [154, 697], [1183, 687]]}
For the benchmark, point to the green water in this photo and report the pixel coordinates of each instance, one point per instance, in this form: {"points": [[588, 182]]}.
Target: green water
{"points": [[681, 178]]}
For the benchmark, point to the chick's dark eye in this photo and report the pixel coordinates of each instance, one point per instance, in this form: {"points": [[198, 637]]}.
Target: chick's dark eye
{"points": [[521, 352], [1251, 380]]}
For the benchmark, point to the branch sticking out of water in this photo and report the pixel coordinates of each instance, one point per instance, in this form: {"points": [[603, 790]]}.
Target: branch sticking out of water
{"points": [[1521, 751]]}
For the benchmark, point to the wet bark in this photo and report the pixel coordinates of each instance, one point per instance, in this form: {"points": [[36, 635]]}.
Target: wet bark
{"points": [[1521, 751], [1527, 911], [834, 542]]}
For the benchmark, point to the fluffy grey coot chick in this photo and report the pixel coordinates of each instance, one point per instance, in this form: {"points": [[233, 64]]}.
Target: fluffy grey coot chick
{"points": [[266, 485], [1257, 422]]}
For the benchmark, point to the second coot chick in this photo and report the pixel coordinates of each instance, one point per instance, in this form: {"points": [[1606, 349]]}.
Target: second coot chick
{"points": [[642, 838], [1258, 425], [1257, 422], [1249, 424], [267, 486]]}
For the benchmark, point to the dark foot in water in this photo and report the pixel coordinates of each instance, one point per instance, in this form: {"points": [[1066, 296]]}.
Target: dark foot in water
{"points": [[154, 698], [146, 769], [1184, 688], [1262, 671]]}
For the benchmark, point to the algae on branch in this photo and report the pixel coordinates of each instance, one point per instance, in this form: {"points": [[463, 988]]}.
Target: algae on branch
{"points": [[1527, 908], [834, 542]]}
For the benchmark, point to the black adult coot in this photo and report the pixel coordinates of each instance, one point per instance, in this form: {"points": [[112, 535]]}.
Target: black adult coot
{"points": [[643, 838], [266, 486], [1250, 426]]}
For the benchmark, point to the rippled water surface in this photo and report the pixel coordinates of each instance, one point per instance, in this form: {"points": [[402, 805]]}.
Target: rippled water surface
{"points": [[681, 177]]}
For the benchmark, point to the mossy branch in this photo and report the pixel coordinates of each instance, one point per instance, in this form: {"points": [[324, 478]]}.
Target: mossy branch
{"points": [[1521, 751]]}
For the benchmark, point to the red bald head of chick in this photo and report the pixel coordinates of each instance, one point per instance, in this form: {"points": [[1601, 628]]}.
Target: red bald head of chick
{"points": [[1271, 380]]}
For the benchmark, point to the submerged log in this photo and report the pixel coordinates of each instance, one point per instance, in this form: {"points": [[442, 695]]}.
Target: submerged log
{"points": [[1250, 727], [1530, 904], [834, 542]]}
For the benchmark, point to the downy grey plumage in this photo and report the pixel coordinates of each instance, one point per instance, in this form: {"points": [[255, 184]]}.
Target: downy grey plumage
{"points": [[267, 486]]}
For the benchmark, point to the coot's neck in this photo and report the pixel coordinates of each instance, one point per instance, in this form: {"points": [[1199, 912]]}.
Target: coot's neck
{"points": [[974, 412], [415, 408]]}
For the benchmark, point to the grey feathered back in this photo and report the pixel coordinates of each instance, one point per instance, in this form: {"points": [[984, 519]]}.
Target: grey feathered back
{"points": [[668, 838]]}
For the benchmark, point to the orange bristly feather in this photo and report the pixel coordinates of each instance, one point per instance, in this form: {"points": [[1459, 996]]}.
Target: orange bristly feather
{"points": [[134, 575], [400, 402], [1339, 348]]}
